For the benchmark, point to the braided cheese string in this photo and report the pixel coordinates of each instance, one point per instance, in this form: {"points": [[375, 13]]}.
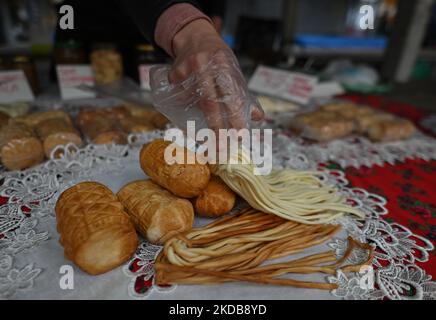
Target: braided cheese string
{"points": [[236, 247], [293, 195]]}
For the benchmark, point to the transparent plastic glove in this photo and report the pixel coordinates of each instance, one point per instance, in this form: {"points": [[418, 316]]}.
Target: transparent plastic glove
{"points": [[216, 96]]}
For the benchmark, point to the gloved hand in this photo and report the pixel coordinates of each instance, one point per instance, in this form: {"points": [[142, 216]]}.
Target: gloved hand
{"points": [[205, 82]]}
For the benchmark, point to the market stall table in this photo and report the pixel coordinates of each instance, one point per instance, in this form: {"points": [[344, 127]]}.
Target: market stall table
{"points": [[398, 200]]}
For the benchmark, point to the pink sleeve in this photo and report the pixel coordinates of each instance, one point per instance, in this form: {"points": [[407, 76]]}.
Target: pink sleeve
{"points": [[172, 20]]}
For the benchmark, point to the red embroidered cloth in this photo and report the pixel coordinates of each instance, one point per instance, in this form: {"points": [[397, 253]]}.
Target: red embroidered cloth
{"points": [[409, 187]]}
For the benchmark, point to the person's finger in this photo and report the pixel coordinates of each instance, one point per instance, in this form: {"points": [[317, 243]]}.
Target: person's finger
{"points": [[233, 90], [203, 87], [179, 73], [233, 98], [257, 115], [256, 112], [235, 113], [184, 83], [210, 106]]}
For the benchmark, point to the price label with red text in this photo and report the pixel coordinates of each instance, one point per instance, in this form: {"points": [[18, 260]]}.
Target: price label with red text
{"points": [[71, 76], [14, 87], [283, 84]]}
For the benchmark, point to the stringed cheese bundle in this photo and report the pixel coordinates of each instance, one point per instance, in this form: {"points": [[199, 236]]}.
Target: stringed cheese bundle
{"points": [[244, 247], [294, 195]]}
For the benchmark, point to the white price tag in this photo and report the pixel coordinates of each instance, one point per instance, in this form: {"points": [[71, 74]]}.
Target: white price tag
{"points": [[144, 76], [70, 76], [14, 87], [327, 89], [283, 84]]}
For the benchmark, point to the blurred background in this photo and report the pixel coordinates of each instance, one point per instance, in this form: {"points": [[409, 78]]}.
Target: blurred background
{"points": [[396, 58]]}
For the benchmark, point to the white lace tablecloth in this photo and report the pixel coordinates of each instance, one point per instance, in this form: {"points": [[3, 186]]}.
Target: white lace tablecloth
{"points": [[31, 257]]}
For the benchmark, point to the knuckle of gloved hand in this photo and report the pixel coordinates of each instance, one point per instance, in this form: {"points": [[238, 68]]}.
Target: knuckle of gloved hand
{"points": [[178, 74], [196, 62], [208, 105]]}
